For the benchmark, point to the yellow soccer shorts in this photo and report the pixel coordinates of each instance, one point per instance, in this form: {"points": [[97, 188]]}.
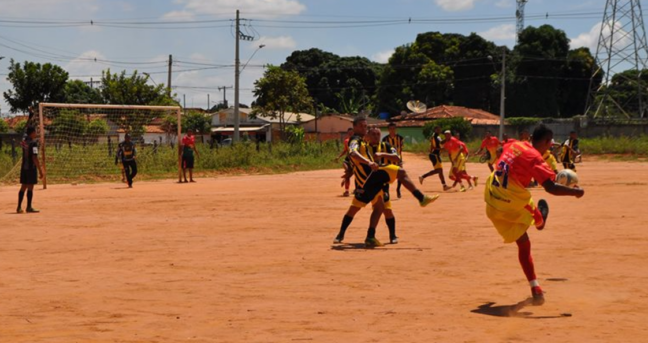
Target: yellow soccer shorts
{"points": [[493, 157], [511, 224]]}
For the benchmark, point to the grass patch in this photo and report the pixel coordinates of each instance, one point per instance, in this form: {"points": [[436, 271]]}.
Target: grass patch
{"points": [[95, 163]]}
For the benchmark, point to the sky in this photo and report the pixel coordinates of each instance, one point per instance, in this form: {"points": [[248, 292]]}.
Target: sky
{"points": [[141, 34]]}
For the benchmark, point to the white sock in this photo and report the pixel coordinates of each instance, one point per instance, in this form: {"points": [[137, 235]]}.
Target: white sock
{"points": [[534, 283]]}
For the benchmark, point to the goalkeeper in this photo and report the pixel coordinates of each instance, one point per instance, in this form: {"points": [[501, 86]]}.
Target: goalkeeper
{"points": [[128, 154]]}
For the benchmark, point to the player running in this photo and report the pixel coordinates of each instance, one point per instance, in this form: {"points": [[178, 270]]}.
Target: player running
{"points": [[397, 141], [490, 143], [128, 155], [29, 170], [458, 153], [570, 151], [436, 144], [348, 169], [188, 149], [370, 179], [509, 204], [385, 154]]}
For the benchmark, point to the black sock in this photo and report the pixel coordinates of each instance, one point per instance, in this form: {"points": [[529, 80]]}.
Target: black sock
{"points": [[30, 196], [398, 187], [371, 233], [21, 195], [418, 195], [346, 221], [391, 224]]}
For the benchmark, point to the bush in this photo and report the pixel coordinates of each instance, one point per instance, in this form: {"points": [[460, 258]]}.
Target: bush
{"points": [[459, 124]]}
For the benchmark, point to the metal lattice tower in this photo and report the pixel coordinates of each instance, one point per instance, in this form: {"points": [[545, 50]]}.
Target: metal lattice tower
{"points": [[519, 14], [621, 46]]}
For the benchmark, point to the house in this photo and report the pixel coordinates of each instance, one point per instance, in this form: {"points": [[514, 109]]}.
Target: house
{"points": [[411, 125], [332, 126], [262, 128]]}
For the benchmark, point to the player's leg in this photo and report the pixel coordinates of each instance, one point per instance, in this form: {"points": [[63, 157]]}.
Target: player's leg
{"points": [[21, 196], [398, 187], [134, 170], [128, 169], [490, 166], [526, 261], [30, 197], [346, 221], [378, 209], [432, 158], [423, 199], [390, 220]]}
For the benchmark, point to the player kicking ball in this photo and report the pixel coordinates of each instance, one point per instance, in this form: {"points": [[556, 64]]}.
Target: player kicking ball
{"points": [[509, 204], [370, 179]]}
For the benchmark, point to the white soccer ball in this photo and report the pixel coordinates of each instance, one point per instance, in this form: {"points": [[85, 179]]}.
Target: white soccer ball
{"points": [[567, 178]]}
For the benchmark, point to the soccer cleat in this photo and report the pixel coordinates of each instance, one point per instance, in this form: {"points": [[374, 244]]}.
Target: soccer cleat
{"points": [[421, 178], [538, 296], [345, 194], [398, 193], [19, 210], [446, 188], [475, 180], [372, 243], [462, 189], [543, 207], [338, 239], [428, 200], [32, 210], [393, 240]]}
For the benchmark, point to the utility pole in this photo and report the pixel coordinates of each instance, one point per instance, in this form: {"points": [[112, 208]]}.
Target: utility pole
{"points": [[184, 103], [237, 63], [208, 102], [224, 89], [502, 94], [169, 77]]}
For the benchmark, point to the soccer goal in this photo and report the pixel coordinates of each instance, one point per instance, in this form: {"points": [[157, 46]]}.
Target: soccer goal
{"points": [[79, 142]]}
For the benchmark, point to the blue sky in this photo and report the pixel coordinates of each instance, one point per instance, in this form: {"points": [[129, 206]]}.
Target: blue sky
{"points": [[140, 34]]}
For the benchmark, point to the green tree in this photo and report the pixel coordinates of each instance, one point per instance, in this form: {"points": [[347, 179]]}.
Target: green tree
{"points": [[96, 128], [34, 83], [121, 89], [196, 121], [4, 127], [623, 93], [78, 92], [68, 123], [280, 91], [20, 126], [454, 124]]}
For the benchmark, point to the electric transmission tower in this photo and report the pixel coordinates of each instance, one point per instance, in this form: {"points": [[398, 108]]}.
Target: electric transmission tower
{"points": [[621, 46], [519, 14]]}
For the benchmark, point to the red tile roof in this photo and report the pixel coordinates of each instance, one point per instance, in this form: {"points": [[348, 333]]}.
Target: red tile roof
{"points": [[475, 116]]}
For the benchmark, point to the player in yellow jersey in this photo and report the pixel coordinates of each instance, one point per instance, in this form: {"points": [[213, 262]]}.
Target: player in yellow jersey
{"points": [[370, 179], [570, 151], [436, 144], [385, 154], [396, 141], [490, 143], [509, 205]]}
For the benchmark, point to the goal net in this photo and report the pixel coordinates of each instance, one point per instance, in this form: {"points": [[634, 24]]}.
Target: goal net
{"points": [[79, 142]]}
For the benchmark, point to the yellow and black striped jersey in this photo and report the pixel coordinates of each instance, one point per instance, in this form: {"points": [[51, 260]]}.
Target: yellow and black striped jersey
{"points": [[435, 144], [382, 147], [396, 142], [360, 171]]}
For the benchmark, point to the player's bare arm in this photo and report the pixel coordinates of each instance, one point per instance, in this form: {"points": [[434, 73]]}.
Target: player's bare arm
{"points": [[560, 190]]}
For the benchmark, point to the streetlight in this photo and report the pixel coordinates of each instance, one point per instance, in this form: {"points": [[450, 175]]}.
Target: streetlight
{"points": [[502, 92], [237, 75]]}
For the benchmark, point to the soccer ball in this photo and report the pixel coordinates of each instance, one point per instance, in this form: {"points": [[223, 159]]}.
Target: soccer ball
{"points": [[567, 178]]}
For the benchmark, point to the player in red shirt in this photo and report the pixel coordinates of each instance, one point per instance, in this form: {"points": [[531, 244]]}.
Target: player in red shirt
{"points": [[509, 205], [458, 153], [188, 149], [348, 169], [491, 144]]}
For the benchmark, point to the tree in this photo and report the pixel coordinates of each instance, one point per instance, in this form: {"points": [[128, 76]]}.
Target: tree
{"points": [[120, 89], [280, 91], [623, 92], [68, 123], [196, 121], [454, 124], [96, 128], [34, 83], [78, 92], [20, 126], [4, 127]]}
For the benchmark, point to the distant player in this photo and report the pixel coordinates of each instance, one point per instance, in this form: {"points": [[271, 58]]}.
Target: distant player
{"points": [[128, 154], [385, 154], [458, 153], [436, 144], [509, 204], [348, 169], [550, 159], [188, 149], [397, 141], [29, 170], [490, 143], [570, 151], [370, 179]]}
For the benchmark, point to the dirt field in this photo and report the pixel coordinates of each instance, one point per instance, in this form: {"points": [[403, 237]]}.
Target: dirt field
{"points": [[250, 259]]}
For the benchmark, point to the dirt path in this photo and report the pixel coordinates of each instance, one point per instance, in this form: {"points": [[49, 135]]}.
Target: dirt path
{"points": [[249, 259]]}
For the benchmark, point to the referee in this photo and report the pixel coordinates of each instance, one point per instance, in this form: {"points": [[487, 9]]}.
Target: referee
{"points": [[29, 170]]}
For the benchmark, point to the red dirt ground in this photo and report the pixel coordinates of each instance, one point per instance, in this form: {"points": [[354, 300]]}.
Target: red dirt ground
{"points": [[250, 259]]}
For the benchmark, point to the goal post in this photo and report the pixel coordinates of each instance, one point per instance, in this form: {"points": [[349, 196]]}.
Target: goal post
{"points": [[79, 142]]}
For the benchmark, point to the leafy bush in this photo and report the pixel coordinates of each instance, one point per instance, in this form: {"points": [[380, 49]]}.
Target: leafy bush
{"points": [[523, 122], [454, 124]]}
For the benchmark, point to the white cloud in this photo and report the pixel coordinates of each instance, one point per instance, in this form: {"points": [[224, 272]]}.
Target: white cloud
{"points": [[31, 8], [280, 42], [178, 16], [84, 64], [501, 32], [382, 56], [456, 5], [590, 39], [267, 8], [504, 3]]}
